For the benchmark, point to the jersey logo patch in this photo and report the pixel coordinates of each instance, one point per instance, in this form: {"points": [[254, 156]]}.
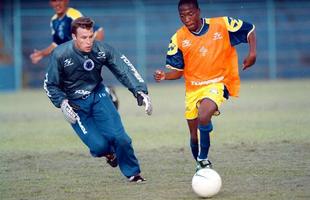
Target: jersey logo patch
{"points": [[88, 65], [203, 51], [186, 43], [173, 46], [68, 62], [232, 24], [217, 36], [101, 54], [172, 49]]}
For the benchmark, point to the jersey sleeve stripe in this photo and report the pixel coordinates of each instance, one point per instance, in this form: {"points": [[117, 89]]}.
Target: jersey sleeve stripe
{"points": [[250, 32], [170, 67], [54, 17]]}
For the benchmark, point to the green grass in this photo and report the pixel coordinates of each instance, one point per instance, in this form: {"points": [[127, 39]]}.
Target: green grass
{"points": [[260, 147]]}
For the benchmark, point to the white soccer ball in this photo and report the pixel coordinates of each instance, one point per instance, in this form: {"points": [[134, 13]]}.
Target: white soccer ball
{"points": [[206, 182]]}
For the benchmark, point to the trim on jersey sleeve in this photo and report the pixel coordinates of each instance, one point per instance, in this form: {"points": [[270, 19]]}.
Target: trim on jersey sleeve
{"points": [[250, 32], [73, 13], [51, 26], [170, 67], [99, 29], [173, 46], [232, 24], [54, 17], [175, 60]]}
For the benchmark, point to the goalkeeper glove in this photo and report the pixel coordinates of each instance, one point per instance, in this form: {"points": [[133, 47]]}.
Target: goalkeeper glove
{"points": [[144, 99], [68, 112]]}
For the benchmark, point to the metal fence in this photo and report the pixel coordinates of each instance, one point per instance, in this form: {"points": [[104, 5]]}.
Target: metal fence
{"points": [[142, 30]]}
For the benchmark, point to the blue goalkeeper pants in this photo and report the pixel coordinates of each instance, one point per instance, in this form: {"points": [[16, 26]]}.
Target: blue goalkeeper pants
{"points": [[100, 128]]}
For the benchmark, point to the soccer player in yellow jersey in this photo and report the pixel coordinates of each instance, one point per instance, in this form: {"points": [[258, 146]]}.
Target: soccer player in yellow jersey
{"points": [[202, 51]]}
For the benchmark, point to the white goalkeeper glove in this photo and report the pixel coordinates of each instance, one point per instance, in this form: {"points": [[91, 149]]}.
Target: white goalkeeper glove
{"points": [[144, 99], [68, 112]]}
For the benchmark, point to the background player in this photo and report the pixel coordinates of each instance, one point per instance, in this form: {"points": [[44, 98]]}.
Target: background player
{"points": [[61, 32], [61, 28], [74, 84], [203, 52]]}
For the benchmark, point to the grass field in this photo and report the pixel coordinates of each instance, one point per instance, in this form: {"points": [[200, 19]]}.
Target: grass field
{"points": [[260, 147]]}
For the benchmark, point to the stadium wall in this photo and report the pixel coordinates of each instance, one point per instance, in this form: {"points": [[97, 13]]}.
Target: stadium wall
{"points": [[142, 30]]}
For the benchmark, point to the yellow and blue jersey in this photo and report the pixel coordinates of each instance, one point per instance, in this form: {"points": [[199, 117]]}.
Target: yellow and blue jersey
{"points": [[61, 27], [238, 31], [208, 55]]}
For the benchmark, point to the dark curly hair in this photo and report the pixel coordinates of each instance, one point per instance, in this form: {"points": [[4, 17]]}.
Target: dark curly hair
{"points": [[193, 2]]}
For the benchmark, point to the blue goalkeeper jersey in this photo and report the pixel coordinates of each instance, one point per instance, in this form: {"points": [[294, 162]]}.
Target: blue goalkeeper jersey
{"points": [[73, 74]]}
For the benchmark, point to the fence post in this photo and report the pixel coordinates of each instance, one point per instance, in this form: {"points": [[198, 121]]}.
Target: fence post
{"points": [[272, 59], [17, 45], [140, 37]]}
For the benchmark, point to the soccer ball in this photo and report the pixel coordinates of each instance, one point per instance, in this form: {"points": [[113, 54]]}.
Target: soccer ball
{"points": [[206, 182]]}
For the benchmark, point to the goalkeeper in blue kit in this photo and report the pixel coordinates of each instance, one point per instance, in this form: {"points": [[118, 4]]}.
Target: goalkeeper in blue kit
{"points": [[73, 83], [60, 25]]}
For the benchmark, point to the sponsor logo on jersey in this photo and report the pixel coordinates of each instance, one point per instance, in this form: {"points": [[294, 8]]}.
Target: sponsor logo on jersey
{"points": [[132, 68], [68, 62], [207, 82], [82, 92], [88, 65]]}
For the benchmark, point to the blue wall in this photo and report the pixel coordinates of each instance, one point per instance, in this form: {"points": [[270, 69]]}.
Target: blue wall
{"points": [[142, 30]]}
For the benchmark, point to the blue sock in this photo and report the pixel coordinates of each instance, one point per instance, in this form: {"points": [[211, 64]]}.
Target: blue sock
{"points": [[194, 148], [204, 140]]}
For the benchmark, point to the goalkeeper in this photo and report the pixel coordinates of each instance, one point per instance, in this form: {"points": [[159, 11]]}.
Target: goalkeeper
{"points": [[61, 32], [73, 83]]}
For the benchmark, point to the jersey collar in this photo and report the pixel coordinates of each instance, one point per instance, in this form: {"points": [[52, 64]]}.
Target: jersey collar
{"points": [[204, 28], [79, 51]]}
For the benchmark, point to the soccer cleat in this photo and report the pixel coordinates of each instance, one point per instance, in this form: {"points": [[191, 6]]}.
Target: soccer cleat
{"points": [[136, 179], [203, 164], [111, 160]]}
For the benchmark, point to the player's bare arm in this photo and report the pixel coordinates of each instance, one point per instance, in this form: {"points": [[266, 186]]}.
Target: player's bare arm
{"points": [[173, 74], [99, 34], [251, 58], [37, 55]]}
